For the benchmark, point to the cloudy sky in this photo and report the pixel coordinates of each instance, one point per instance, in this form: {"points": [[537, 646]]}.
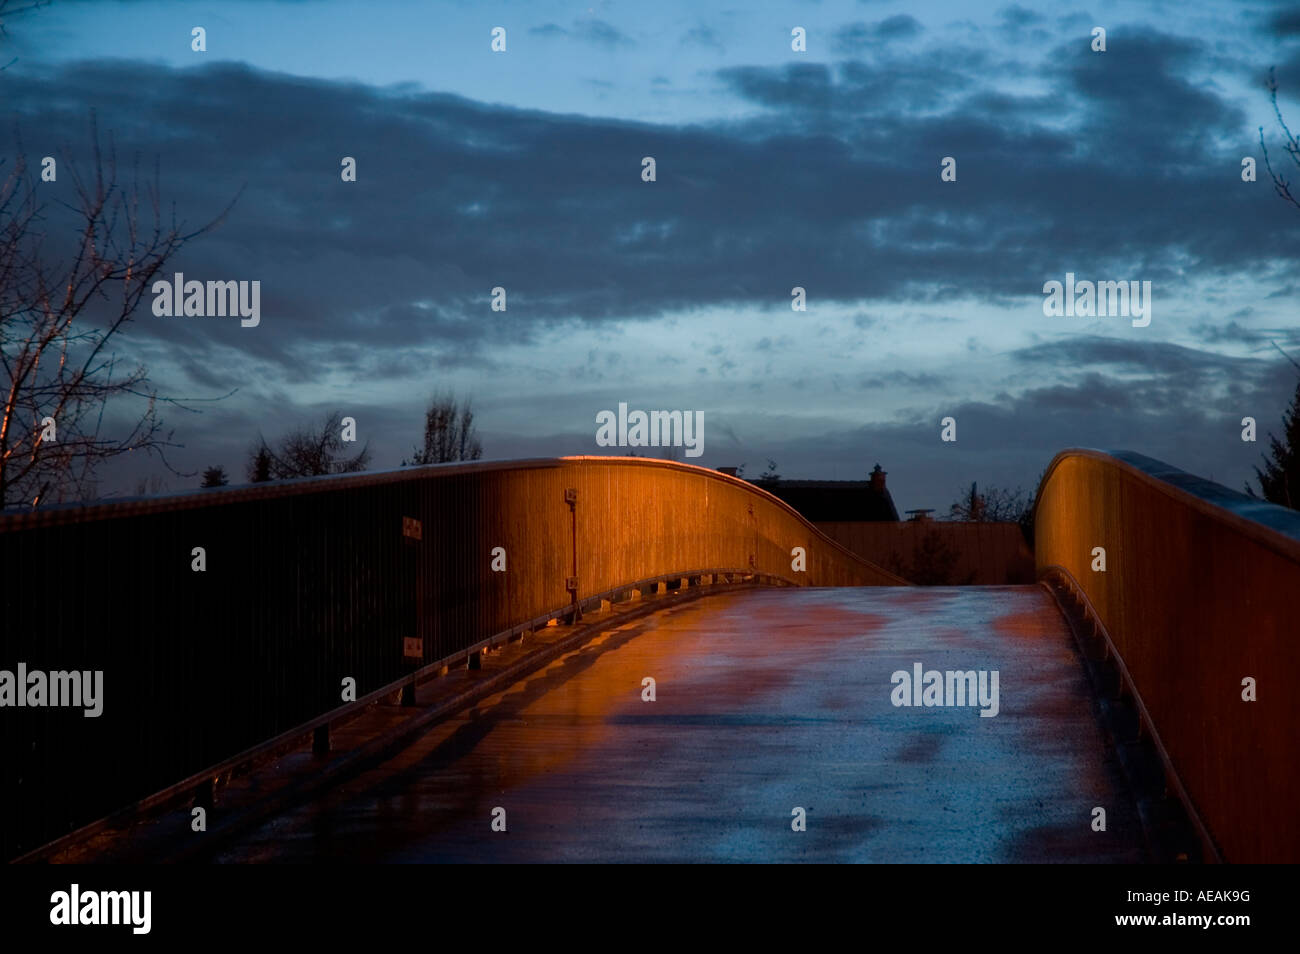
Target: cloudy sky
{"points": [[775, 169]]}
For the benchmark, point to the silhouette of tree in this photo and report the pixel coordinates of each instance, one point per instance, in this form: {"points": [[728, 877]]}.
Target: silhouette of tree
{"points": [[449, 433], [259, 464], [769, 476], [215, 477], [995, 505], [306, 453], [1290, 146], [998, 505], [1279, 479], [63, 307]]}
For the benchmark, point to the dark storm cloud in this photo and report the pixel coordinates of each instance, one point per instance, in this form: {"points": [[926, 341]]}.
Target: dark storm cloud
{"points": [[802, 86], [1016, 16], [1009, 438], [856, 37], [1150, 390], [889, 87], [1140, 86], [898, 25], [1284, 23], [834, 185], [1120, 353], [1234, 333]]}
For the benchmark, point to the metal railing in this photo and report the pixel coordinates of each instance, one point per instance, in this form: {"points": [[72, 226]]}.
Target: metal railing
{"points": [[1198, 594], [310, 582]]}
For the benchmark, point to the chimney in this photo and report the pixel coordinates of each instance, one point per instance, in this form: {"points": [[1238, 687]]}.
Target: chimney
{"points": [[729, 471], [878, 480]]}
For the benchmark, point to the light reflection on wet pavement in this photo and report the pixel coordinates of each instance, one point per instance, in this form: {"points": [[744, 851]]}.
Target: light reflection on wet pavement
{"points": [[766, 700]]}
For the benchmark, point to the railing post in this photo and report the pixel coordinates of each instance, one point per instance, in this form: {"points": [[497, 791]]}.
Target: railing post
{"points": [[571, 582]]}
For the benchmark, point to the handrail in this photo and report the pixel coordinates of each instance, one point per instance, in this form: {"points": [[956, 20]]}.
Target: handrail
{"points": [[1266, 523], [64, 513], [48, 515], [308, 582], [1197, 594]]}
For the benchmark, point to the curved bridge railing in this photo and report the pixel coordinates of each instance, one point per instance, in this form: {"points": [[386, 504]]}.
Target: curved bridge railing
{"points": [[1200, 592], [308, 582]]}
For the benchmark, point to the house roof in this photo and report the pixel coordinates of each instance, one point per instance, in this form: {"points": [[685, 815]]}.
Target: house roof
{"points": [[834, 499]]}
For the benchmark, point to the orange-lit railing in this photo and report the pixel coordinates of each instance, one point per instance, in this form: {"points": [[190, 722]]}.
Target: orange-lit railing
{"points": [[309, 582], [1199, 593]]}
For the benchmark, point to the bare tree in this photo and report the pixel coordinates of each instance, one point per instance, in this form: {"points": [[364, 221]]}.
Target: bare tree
{"points": [[449, 433], [1290, 145], [62, 314], [994, 505], [998, 505], [969, 507], [306, 453]]}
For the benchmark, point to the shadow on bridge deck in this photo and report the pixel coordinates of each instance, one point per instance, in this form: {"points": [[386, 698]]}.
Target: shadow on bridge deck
{"points": [[767, 700]]}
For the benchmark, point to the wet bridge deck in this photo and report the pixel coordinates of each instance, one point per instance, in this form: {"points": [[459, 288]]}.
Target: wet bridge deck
{"points": [[767, 700]]}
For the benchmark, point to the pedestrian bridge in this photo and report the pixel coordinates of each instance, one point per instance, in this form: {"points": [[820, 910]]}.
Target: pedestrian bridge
{"points": [[451, 663]]}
